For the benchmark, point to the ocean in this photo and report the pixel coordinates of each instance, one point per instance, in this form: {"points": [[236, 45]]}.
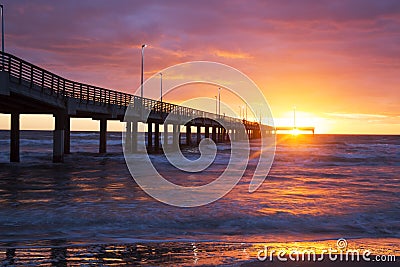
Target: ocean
{"points": [[89, 209]]}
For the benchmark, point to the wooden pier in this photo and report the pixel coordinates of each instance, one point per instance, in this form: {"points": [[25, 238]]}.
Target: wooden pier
{"points": [[28, 89]]}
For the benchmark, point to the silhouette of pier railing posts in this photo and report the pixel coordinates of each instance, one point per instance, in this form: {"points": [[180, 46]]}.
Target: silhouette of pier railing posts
{"points": [[29, 89]]}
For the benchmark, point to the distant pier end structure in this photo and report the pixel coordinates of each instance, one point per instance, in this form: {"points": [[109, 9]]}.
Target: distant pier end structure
{"points": [[294, 127], [29, 89], [309, 129]]}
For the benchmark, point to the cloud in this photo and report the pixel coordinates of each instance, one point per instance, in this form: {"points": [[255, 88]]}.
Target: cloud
{"points": [[338, 55], [356, 116], [232, 55]]}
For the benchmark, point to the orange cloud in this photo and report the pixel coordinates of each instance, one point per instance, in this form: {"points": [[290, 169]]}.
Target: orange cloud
{"points": [[232, 55]]}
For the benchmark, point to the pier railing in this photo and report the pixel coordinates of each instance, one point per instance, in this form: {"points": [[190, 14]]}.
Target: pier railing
{"points": [[52, 84]]}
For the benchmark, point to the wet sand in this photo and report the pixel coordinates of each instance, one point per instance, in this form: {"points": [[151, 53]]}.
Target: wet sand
{"points": [[163, 254]]}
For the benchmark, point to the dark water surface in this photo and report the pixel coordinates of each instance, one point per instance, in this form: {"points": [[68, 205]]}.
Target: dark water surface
{"points": [[320, 188]]}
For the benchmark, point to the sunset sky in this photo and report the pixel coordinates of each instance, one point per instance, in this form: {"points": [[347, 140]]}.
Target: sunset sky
{"points": [[338, 62]]}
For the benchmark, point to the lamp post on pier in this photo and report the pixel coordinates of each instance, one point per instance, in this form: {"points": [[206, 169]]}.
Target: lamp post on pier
{"points": [[141, 80], [219, 102], [161, 85], [216, 105], [2, 34], [2, 28]]}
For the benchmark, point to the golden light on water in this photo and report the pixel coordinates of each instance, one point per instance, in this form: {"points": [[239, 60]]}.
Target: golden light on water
{"points": [[295, 132]]}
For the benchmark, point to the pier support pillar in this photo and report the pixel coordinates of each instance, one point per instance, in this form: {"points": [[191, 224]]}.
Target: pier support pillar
{"points": [[134, 136], [188, 135], [149, 135], [175, 135], [214, 134], [103, 136], [156, 136], [224, 134], [128, 137], [219, 135], [206, 132], [58, 138], [14, 138], [165, 142], [67, 133], [198, 134]]}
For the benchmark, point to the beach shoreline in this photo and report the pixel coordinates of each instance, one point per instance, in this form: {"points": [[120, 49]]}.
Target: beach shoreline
{"points": [[186, 253]]}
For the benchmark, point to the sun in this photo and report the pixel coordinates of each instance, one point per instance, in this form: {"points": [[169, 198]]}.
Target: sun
{"points": [[295, 132]]}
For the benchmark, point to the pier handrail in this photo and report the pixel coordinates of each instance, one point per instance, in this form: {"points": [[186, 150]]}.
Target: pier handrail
{"points": [[53, 84]]}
